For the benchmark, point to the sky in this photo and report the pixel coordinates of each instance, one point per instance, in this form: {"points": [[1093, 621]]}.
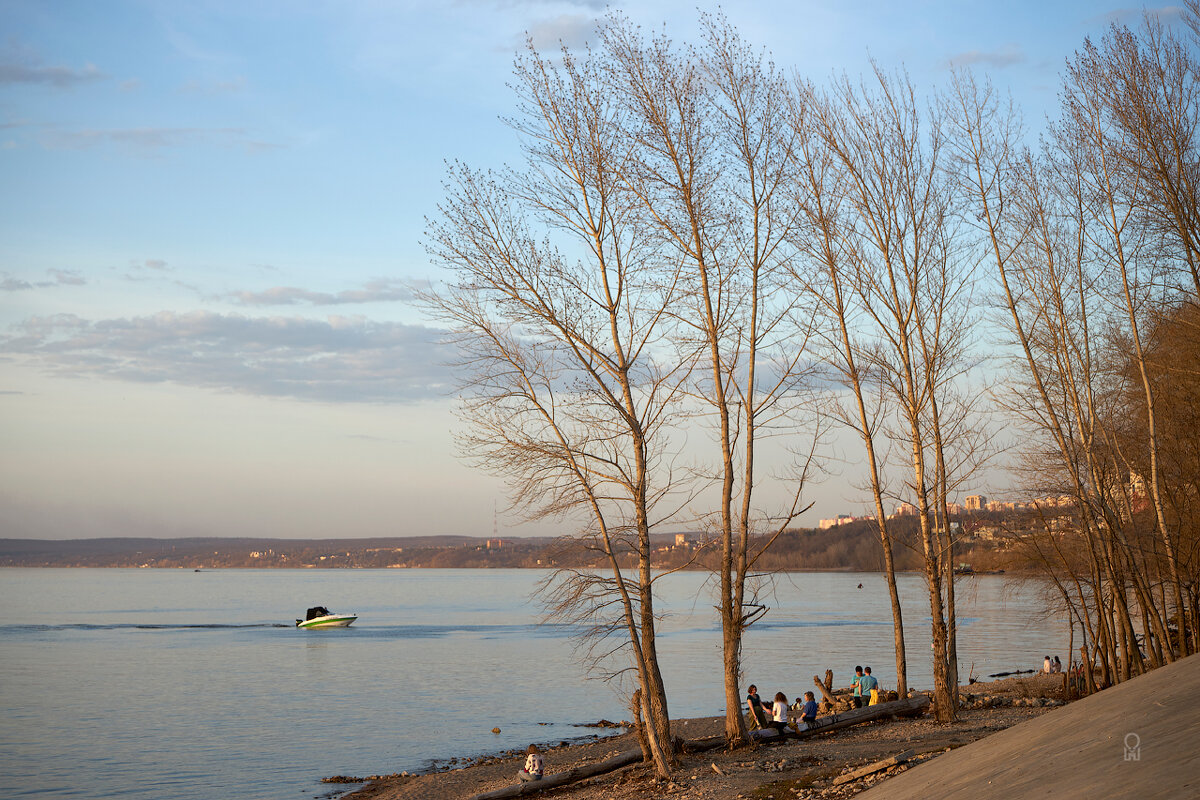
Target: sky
{"points": [[210, 213]]}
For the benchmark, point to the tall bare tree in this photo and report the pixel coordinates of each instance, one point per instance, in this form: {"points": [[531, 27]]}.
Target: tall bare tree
{"points": [[1097, 141], [899, 248], [560, 307], [824, 197], [712, 170], [1068, 234]]}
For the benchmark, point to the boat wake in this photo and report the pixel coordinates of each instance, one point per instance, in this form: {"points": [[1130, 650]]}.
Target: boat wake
{"points": [[126, 626]]}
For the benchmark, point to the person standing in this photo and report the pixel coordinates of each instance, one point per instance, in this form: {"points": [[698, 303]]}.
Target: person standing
{"points": [[755, 704], [856, 685], [870, 687]]}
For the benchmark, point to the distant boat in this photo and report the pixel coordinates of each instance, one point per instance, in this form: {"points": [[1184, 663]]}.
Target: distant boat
{"points": [[319, 617]]}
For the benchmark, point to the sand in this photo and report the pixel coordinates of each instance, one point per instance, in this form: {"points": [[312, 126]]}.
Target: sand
{"points": [[792, 769]]}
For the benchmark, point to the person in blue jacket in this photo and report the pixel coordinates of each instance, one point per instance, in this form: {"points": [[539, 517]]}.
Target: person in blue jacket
{"points": [[868, 684]]}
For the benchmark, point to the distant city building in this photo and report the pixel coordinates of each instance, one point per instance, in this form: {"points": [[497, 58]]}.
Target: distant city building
{"points": [[840, 519], [495, 544], [683, 539], [1061, 501], [906, 510], [975, 502]]}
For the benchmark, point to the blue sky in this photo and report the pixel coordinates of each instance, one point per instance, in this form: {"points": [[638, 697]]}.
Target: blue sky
{"points": [[209, 212]]}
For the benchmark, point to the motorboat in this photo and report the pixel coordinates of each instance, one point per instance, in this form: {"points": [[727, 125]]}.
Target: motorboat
{"points": [[319, 617]]}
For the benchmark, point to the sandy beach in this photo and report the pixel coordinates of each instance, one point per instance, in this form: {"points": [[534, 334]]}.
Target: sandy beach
{"points": [[791, 769]]}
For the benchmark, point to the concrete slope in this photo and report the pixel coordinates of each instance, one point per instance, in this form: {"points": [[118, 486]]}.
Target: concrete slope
{"points": [[1140, 739]]}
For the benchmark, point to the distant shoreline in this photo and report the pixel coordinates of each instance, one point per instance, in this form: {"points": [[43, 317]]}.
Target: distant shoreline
{"points": [[848, 548]]}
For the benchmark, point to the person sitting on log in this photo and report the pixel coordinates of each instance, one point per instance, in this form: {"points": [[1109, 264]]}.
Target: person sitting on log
{"points": [[809, 710], [757, 713], [534, 765], [779, 711]]}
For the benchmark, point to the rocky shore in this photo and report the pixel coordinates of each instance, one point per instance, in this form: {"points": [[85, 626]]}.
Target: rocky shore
{"points": [[805, 769]]}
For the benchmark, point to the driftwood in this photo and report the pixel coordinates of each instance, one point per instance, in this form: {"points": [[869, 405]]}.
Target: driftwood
{"points": [[1013, 672], [898, 708], [563, 778], [869, 769], [824, 691]]}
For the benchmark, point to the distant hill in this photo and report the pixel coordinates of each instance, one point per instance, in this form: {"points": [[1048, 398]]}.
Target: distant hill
{"points": [[853, 546], [217, 551]]}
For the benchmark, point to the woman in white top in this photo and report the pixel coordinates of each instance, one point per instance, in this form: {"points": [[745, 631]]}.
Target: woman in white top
{"points": [[779, 713]]}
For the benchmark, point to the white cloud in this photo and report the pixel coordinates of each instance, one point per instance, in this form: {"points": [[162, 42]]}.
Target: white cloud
{"points": [[20, 65], [1006, 56], [11, 284], [565, 30], [58, 277], [67, 277], [153, 140], [1134, 15], [341, 359], [379, 290]]}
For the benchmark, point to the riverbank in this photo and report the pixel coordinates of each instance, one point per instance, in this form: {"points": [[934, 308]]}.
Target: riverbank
{"points": [[792, 769]]}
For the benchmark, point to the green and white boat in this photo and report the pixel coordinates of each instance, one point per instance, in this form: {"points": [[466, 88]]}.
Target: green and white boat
{"points": [[319, 617]]}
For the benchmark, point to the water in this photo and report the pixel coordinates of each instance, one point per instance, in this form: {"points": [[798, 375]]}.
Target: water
{"points": [[171, 683]]}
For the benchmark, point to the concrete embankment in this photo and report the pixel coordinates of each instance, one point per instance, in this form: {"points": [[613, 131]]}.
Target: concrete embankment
{"points": [[1140, 739]]}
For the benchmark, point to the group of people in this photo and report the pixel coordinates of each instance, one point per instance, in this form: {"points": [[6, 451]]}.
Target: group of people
{"points": [[1049, 666], [778, 715], [864, 688]]}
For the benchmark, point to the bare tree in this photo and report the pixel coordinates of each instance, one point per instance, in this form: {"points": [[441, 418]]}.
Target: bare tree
{"points": [[559, 306], [1063, 232], [1095, 140], [712, 169], [1148, 86], [899, 249], [823, 192]]}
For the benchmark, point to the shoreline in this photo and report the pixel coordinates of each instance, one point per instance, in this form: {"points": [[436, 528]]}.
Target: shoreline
{"points": [[793, 768]]}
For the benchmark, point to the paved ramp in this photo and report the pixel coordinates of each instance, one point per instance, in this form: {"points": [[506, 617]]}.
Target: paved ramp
{"points": [[1140, 739]]}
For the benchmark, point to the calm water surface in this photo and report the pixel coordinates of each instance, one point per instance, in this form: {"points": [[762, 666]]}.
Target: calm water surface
{"points": [[172, 683]]}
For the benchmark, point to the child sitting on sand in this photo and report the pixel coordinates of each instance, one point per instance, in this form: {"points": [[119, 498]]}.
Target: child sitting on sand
{"points": [[533, 765]]}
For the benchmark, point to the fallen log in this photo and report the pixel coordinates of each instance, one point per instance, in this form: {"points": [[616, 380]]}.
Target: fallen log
{"points": [[563, 778], [897, 708], [870, 769]]}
